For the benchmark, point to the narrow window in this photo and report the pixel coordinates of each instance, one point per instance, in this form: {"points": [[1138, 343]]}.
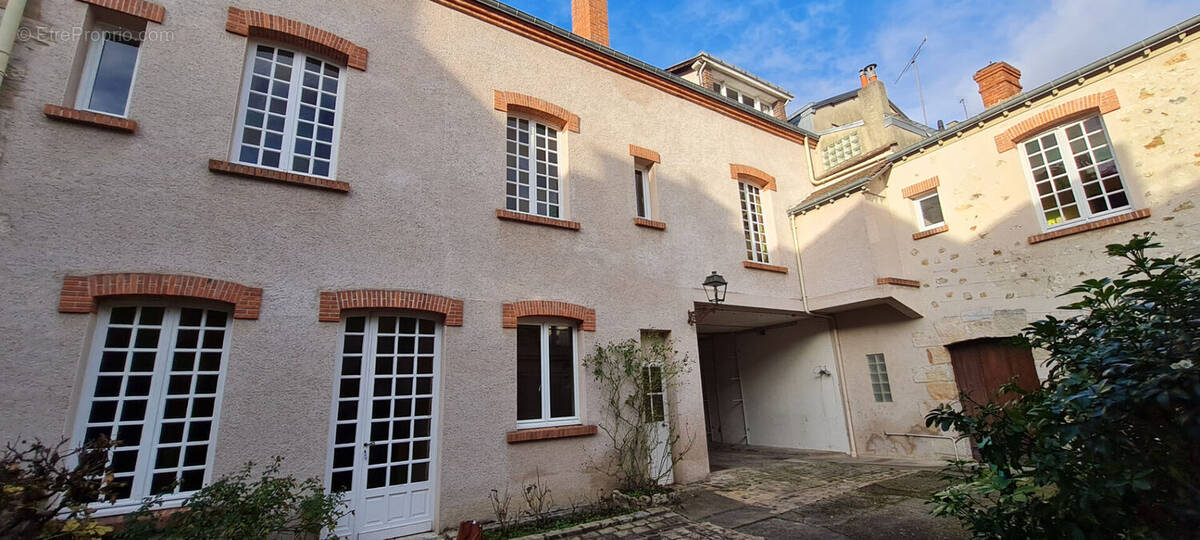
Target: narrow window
{"points": [[154, 386], [109, 68], [654, 408], [1074, 174], [290, 113], [929, 211], [546, 375], [641, 187], [753, 223], [533, 181], [880, 386]]}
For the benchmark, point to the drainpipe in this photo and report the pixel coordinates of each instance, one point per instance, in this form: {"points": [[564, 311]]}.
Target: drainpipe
{"points": [[837, 340], [812, 174], [8, 33]]}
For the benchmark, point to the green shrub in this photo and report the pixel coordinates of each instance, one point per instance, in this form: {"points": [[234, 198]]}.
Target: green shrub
{"points": [[242, 506], [1109, 445], [45, 491]]}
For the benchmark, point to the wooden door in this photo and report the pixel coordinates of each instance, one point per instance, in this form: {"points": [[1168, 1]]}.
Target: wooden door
{"points": [[982, 366]]}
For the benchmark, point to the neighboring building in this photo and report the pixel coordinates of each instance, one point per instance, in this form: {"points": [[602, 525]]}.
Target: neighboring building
{"points": [[379, 240], [735, 83]]}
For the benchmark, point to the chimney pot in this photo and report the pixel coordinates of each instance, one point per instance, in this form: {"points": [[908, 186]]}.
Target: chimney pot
{"points": [[866, 75], [998, 82], [589, 20]]}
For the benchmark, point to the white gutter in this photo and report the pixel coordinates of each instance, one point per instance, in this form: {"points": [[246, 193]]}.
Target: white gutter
{"points": [[837, 340], [8, 33]]}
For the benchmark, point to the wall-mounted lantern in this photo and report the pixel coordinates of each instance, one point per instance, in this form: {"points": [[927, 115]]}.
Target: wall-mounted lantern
{"points": [[714, 287]]}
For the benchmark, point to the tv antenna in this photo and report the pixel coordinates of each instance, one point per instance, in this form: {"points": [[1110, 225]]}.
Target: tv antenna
{"points": [[912, 62], [963, 102]]}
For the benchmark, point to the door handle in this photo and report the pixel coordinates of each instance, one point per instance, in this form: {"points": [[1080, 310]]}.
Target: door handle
{"points": [[366, 448]]}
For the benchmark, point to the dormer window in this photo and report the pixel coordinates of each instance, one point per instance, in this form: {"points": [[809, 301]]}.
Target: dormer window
{"points": [[745, 99]]}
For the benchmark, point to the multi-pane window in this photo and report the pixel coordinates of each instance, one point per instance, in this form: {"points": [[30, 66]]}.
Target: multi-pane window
{"points": [[929, 211], [841, 150], [641, 187], [383, 421], [288, 119], [880, 386], [546, 375], [533, 181], [108, 71], [749, 101], [753, 223], [654, 408], [1074, 173], [154, 387]]}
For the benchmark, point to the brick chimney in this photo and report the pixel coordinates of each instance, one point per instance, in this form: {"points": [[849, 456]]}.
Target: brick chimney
{"points": [[998, 82], [589, 20]]}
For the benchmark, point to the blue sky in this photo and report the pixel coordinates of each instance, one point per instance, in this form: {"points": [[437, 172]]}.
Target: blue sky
{"points": [[815, 49]]}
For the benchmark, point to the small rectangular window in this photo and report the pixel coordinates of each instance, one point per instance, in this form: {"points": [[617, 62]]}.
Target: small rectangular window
{"points": [[880, 386], [546, 375], [641, 186], [109, 69], [290, 112], [1074, 174], [533, 184], [929, 211], [753, 224]]}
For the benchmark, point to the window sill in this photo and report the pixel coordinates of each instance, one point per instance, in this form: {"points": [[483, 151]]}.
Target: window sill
{"points": [[546, 433], [88, 118], [1098, 224], [271, 175], [930, 232], [901, 282], [537, 220], [649, 223], [767, 267]]}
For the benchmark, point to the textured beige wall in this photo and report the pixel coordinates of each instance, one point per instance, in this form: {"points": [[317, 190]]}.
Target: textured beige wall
{"points": [[982, 278], [422, 149]]}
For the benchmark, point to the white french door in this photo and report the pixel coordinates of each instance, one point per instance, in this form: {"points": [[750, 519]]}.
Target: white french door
{"points": [[384, 421], [657, 423]]}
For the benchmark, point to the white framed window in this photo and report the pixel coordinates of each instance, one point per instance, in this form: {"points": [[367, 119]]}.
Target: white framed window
{"points": [[1073, 174], [641, 187], [753, 223], [109, 70], [881, 387], [290, 112], [533, 180], [929, 211], [153, 384], [747, 100], [547, 374], [766, 107], [841, 150]]}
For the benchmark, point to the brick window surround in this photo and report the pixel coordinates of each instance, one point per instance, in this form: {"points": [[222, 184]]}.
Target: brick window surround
{"points": [[79, 293], [752, 175], [1103, 102], [901, 282], [920, 188], [272, 175], [768, 267], [545, 308], [332, 303], [930, 232], [264, 25], [644, 153], [1098, 224], [649, 223], [138, 8], [541, 110], [541, 434], [88, 118], [509, 215]]}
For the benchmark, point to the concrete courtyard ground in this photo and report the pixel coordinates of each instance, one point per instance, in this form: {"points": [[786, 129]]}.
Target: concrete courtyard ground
{"points": [[758, 493]]}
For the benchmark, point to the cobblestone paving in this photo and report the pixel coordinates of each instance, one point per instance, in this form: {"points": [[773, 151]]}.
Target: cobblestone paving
{"points": [[780, 495]]}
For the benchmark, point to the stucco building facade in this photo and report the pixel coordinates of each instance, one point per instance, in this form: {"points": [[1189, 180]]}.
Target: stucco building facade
{"points": [[379, 240]]}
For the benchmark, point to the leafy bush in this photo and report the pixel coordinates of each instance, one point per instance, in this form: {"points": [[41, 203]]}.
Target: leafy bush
{"points": [[45, 490], [1109, 445], [626, 373], [244, 507]]}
